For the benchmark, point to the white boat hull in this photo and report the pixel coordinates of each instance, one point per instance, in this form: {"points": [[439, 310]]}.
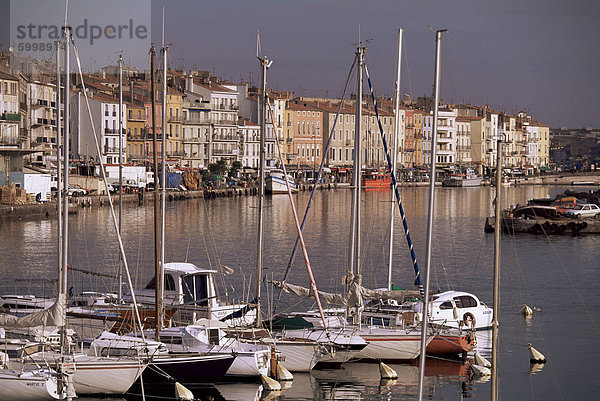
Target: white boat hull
{"points": [[390, 344], [28, 386], [105, 376], [297, 356], [275, 184]]}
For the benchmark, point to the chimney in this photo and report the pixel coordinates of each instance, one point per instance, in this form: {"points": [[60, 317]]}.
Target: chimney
{"points": [[189, 83]]}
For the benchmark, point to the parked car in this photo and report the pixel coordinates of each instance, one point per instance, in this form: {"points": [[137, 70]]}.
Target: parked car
{"points": [[585, 210], [567, 203], [76, 191]]}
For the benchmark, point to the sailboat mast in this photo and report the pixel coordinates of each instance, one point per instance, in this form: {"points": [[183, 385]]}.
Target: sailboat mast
{"points": [[395, 156], [163, 173], [496, 301], [438, 56], [265, 63], [65, 200], [120, 274], [58, 157], [158, 284], [356, 179]]}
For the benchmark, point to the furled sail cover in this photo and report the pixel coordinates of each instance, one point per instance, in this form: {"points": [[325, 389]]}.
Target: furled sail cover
{"points": [[355, 296], [53, 316]]}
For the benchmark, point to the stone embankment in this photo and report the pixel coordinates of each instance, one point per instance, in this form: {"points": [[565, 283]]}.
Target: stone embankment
{"points": [[38, 211]]}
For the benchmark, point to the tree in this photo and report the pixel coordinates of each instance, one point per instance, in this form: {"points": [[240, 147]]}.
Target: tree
{"points": [[235, 167], [218, 168]]}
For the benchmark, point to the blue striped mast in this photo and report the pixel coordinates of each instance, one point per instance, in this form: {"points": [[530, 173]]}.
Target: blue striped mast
{"points": [[395, 185]]}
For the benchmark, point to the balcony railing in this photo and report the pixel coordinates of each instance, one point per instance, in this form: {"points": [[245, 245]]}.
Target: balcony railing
{"points": [[197, 121], [175, 119], [112, 131], [227, 107], [16, 117]]}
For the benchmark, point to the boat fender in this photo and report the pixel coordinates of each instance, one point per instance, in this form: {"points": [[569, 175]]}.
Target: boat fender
{"points": [[481, 361], [527, 311], [182, 393], [469, 317], [386, 372], [270, 384], [283, 374], [481, 370], [535, 356]]}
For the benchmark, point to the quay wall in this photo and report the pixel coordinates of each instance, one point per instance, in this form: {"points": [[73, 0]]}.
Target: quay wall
{"points": [[47, 210]]}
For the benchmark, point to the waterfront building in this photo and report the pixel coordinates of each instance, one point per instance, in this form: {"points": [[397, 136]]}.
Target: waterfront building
{"points": [[544, 145], [341, 150], [196, 129], [136, 133], [104, 111], [463, 141], [224, 139], [427, 128], [10, 117], [174, 150], [250, 143], [446, 136], [41, 122], [408, 144], [418, 117], [303, 123]]}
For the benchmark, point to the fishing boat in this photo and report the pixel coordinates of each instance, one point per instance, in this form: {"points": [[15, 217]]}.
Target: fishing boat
{"points": [[376, 179], [466, 179], [276, 184]]}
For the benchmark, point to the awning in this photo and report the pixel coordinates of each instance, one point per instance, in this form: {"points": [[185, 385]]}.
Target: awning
{"points": [[544, 168]]}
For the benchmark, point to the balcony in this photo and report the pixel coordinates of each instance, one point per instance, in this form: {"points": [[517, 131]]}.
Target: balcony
{"points": [[175, 119], [225, 138], [197, 121], [136, 118], [224, 122], [225, 152], [13, 117], [112, 131], [227, 107]]}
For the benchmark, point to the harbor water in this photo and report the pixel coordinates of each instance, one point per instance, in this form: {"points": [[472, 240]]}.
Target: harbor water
{"points": [[560, 275]]}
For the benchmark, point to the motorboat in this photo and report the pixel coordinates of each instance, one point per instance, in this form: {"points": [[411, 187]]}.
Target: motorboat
{"points": [[468, 179], [457, 309], [275, 182], [191, 291]]}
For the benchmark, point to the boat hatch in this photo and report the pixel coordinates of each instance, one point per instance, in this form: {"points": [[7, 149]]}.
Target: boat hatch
{"points": [[195, 289]]}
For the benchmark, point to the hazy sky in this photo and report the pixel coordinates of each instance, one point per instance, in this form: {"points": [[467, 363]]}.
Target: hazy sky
{"points": [[538, 55]]}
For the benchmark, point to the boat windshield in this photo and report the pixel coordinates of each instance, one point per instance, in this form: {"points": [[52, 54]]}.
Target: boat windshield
{"points": [[194, 289]]}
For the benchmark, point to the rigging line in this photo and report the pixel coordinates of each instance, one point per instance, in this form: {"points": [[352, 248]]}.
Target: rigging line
{"points": [[407, 68], [293, 207], [562, 265], [312, 194], [395, 187], [460, 75], [110, 201]]}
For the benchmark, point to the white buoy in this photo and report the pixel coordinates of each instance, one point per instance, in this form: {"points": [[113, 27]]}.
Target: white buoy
{"points": [[527, 311], [182, 393], [283, 374], [386, 372], [481, 361], [481, 370], [535, 356], [270, 384]]}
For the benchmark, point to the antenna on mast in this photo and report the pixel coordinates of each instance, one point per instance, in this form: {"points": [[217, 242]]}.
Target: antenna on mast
{"points": [[258, 49]]}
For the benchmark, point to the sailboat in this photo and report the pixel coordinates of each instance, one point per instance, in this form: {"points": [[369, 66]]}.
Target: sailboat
{"points": [[392, 343]]}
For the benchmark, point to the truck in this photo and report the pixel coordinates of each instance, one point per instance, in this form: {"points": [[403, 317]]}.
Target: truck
{"points": [[133, 176]]}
